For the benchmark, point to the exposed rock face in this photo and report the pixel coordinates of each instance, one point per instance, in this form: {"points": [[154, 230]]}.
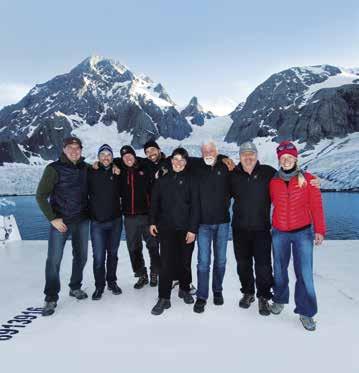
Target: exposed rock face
{"points": [[195, 113], [98, 90], [305, 104]]}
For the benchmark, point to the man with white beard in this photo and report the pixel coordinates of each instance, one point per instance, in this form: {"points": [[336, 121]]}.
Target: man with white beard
{"points": [[214, 194]]}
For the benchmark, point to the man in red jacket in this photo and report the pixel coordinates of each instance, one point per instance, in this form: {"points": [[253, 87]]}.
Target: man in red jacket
{"points": [[296, 206]]}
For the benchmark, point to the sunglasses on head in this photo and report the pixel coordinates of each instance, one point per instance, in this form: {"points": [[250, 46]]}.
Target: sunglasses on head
{"points": [[289, 146]]}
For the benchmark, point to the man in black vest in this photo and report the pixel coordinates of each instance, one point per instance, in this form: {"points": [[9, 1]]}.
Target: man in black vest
{"points": [[106, 222], [65, 182]]}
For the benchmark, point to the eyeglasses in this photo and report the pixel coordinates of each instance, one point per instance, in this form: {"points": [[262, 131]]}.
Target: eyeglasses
{"points": [[289, 146]]}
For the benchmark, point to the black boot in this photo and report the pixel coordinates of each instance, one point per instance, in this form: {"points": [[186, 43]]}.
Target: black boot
{"points": [[218, 299], [161, 305], [263, 307], [142, 281], [199, 305], [246, 300], [153, 279], [97, 294], [114, 288], [186, 296], [49, 308]]}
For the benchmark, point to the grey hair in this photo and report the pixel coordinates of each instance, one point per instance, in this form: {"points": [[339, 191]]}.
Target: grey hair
{"points": [[209, 143]]}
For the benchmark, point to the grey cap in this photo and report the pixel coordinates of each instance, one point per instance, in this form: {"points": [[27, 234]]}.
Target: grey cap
{"points": [[247, 147]]}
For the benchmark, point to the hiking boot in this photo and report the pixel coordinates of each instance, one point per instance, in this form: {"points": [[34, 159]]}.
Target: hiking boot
{"points": [[97, 294], [218, 299], [263, 306], [49, 308], [142, 281], [308, 323], [78, 294], [186, 296], [246, 300], [276, 308], [199, 305], [114, 288], [153, 279], [161, 305]]}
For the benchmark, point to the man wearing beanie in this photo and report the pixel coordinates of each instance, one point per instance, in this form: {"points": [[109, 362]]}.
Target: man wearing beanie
{"points": [[135, 181], [106, 222]]}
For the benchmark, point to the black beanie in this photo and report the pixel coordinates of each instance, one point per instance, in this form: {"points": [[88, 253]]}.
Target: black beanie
{"points": [[150, 144], [127, 149]]}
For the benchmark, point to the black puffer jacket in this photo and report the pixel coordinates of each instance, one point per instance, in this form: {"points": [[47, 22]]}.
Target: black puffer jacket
{"points": [[175, 202]]}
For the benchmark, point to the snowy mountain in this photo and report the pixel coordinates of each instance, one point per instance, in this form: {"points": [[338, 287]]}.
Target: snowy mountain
{"points": [[302, 103], [97, 92], [195, 113]]}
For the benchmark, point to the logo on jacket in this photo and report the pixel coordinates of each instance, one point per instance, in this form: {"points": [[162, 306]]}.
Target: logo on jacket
{"points": [[141, 173], [218, 172]]}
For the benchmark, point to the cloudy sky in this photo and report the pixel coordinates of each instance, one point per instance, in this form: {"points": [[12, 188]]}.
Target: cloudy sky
{"points": [[217, 50]]}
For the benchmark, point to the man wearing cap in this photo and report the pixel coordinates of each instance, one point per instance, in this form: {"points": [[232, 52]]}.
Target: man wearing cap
{"points": [[251, 227], [135, 180], [64, 182], [106, 221]]}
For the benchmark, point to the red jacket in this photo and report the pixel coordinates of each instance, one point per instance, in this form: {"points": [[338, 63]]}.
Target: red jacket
{"points": [[296, 207]]}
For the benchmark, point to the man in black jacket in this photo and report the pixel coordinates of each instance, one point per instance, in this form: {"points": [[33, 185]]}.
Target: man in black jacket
{"points": [[174, 215], [106, 221], [65, 183], [135, 181], [251, 227], [214, 195]]}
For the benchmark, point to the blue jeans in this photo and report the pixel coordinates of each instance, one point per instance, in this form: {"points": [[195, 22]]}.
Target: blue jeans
{"points": [[57, 240], [105, 238], [219, 235], [301, 245]]}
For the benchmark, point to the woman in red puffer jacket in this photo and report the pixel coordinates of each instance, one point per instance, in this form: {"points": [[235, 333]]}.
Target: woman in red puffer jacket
{"points": [[297, 205]]}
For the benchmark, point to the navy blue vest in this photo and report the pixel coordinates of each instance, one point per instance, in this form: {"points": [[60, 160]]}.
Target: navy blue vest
{"points": [[69, 199]]}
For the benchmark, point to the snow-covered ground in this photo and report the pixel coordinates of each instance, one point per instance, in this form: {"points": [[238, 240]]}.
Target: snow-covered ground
{"points": [[118, 333], [335, 161]]}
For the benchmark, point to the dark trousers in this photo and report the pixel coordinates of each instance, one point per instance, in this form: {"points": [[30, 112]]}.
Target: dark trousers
{"points": [[57, 240], [137, 228], [249, 245], [105, 238], [176, 260]]}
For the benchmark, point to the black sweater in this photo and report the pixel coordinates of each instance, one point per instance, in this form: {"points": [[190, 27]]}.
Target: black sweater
{"points": [[104, 194], [251, 208]]}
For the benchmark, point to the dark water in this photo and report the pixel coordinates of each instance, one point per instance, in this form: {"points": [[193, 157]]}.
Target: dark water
{"points": [[341, 210]]}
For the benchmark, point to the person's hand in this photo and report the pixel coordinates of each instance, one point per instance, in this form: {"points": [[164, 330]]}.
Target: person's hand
{"points": [[59, 225], [229, 163], [315, 182], [318, 239], [153, 230], [190, 237], [116, 170], [95, 165]]}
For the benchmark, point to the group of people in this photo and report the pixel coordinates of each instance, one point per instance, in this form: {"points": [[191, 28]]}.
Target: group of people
{"points": [[169, 203]]}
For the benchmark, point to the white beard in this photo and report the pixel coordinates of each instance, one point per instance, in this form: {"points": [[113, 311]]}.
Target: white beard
{"points": [[209, 161]]}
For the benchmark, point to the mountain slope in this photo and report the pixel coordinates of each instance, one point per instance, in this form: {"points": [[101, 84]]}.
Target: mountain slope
{"points": [[98, 90], [302, 103]]}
